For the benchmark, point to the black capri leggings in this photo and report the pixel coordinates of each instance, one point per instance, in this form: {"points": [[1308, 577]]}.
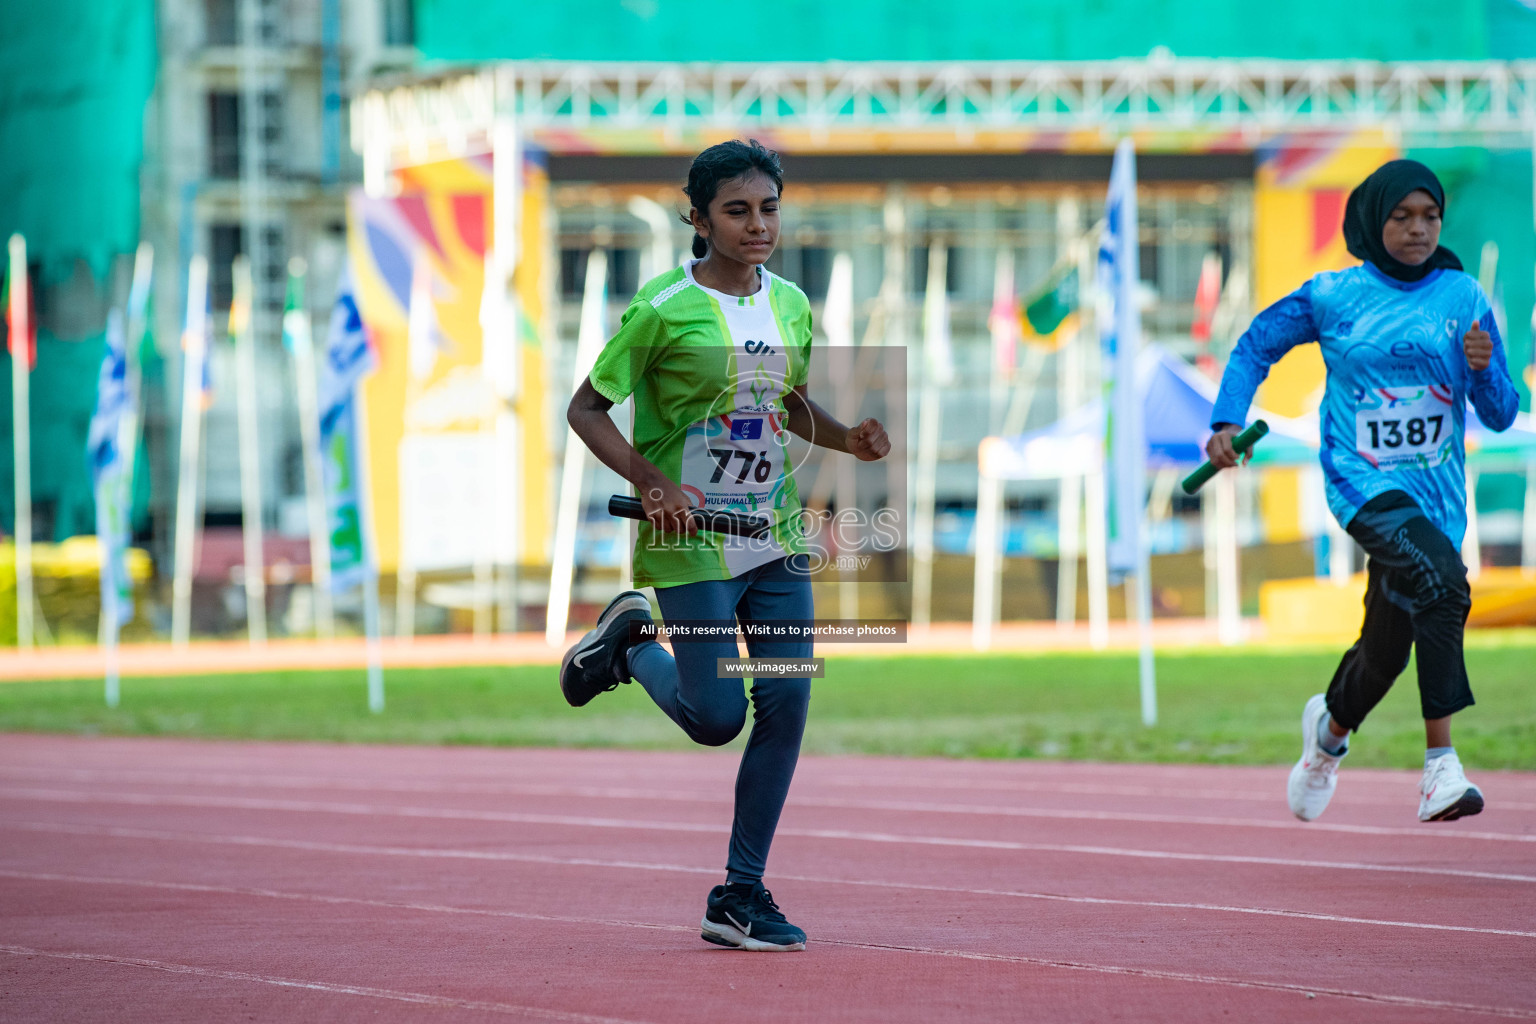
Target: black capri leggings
{"points": [[1416, 593]]}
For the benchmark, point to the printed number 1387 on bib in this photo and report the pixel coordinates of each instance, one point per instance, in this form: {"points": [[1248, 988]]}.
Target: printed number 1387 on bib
{"points": [[1407, 425]]}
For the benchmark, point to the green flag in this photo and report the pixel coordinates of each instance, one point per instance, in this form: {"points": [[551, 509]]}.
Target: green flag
{"points": [[1052, 303]]}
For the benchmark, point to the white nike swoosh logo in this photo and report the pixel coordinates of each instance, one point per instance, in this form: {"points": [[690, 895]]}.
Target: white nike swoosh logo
{"points": [[577, 660], [745, 929]]}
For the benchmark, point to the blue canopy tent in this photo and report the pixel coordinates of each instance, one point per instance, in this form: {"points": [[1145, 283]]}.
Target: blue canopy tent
{"points": [[1177, 408], [1177, 413]]}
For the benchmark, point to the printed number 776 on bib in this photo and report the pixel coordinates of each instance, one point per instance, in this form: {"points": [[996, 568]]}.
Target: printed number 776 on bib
{"points": [[758, 464]]}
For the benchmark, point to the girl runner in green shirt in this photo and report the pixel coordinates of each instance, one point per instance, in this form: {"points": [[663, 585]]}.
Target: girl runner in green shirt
{"points": [[715, 354]]}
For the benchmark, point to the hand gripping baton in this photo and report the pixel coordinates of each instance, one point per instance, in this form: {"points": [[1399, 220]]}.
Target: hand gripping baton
{"points": [[737, 523], [1241, 443]]}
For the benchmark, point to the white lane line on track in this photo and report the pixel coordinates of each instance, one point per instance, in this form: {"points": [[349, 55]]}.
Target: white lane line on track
{"points": [[320, 782], [1269, 795], [954, 954], [418, 998], [1511, 1012], [879, 884], [580, 821], [312, 782], [985, 844]]}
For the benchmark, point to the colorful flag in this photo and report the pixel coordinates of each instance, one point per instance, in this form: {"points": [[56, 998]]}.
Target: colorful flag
{"points": [[1207, 298], [18, 301], [1050, 304], [1119, 321], [347, 359], [106, 445], [348, 356], [141, 312], [295, 323], [1207, 294], [194, 344], [1003, 319]]}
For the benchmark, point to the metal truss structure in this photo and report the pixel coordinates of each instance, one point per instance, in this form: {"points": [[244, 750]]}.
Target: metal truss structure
{"points": [[1489, 102]]}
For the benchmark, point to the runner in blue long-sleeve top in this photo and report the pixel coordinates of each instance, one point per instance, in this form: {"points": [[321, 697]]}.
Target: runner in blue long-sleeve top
{"points": [[1408, 339]]}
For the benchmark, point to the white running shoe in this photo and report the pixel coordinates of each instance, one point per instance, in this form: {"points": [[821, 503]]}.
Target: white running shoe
{"points": [[1444, 792], [1315, 776]]}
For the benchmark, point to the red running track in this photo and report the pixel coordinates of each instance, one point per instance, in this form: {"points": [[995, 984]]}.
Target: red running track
{"points": [[152, 880]]}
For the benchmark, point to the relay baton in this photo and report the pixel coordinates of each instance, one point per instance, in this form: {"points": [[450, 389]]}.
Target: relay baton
{"points": [[1241, 443], [738, 523]]}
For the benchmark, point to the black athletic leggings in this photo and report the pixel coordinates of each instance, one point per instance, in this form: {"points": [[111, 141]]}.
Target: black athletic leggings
{"points": [[1416, 593]]}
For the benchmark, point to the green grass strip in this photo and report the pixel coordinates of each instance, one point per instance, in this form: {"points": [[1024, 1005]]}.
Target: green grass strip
{"points": [[1233, 706]]}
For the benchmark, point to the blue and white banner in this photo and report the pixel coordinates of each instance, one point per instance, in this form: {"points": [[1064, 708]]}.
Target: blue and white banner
{"points": [[347, 357], [110, 475], [1119, 320], [345, 360]]}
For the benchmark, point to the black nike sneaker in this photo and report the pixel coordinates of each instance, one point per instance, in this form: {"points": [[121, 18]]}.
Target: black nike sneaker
{"points": [[748, 920], [596, 664]]}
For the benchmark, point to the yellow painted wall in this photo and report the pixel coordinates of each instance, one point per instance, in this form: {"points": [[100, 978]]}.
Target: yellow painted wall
{"points": [[455, 397]]}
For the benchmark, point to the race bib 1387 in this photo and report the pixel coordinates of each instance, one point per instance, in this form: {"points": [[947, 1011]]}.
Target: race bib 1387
{"points": [[1407, 425]]}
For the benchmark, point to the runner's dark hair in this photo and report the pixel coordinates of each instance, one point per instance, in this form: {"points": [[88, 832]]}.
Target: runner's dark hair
{"points": [[724, 162]]}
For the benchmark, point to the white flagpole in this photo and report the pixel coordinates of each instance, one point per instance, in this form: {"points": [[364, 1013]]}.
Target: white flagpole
{"points": [[194, 344], [656, 258], [1003, 326], [589, 341], [505, 434], [987, 585], [493, 356], [421, 354], [138, 313], [1340, 550], [506, 245], [297, 325], [892, 321], [373, 646], [251, 531], [1229, 621], [1147, 668], [128, 442], [984, 597], [1098, 571], [1069, 396], [1002, 335], [1119, 256], [929, 412], [837, 322], [110, 627], [1471, 545], [107, 534], [21, 388]]}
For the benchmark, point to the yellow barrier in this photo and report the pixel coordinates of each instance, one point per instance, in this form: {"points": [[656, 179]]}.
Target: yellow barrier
{"points": [[1310, 610], [1315, 609]]}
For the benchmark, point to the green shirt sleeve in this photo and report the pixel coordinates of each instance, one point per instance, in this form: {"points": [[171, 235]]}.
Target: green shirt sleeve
{"points": [[800, 338], [632, 351]]}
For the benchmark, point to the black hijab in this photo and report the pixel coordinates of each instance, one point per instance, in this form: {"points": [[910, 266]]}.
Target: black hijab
{"points": [[1372, 202]]}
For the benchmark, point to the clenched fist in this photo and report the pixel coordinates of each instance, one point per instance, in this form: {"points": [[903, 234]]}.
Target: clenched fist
{"points": [[868, 442], [1478, 345]]}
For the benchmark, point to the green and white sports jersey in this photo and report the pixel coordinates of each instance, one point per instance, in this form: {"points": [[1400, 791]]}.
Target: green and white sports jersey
{"points": [[709, 372]]}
